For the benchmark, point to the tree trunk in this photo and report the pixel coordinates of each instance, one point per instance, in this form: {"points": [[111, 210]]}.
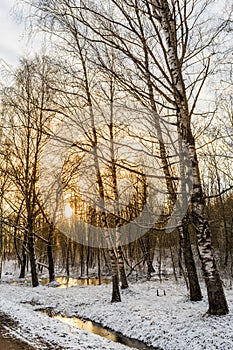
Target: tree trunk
{"points": [[123, 278], [194, 286], [31, 250], [116, 297], [68, 258], [150, 248], [146, 250], [99, 265], [23, 259], [150, 268], [216, 296], [231, 244], [50, 255], [87, 261], [1, 246], [173, 264], [82, 259]]}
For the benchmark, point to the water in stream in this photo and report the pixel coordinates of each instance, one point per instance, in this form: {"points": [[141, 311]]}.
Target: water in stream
{"points": [[97, 328], [67, 282]]}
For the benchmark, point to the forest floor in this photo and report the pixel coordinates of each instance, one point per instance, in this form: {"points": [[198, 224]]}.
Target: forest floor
{"points": [[159, 314]]}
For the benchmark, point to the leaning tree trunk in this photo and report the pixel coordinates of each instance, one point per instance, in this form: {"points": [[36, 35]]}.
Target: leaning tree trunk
{"points": [[216, 296]]}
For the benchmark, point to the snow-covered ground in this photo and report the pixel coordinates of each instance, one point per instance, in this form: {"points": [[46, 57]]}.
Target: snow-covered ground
{"points": [[168, 321]]}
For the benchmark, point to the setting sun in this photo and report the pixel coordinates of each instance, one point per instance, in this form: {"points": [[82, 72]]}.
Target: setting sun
{"points": [[68, 211]]}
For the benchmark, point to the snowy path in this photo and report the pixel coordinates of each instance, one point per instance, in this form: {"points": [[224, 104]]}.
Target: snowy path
{"points": [[6, 341]]}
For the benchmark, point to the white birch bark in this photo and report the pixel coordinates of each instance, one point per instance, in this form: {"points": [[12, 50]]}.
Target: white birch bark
{"points": [[216, 297]]}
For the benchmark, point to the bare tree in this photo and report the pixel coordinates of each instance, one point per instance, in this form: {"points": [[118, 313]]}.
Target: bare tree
{"points": [[164, 50], [139, 82], [24, 104]]}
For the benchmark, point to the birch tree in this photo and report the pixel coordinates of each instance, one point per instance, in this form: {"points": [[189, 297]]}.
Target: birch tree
{"points": [[164, 50], [172, 28], [139, 81]]}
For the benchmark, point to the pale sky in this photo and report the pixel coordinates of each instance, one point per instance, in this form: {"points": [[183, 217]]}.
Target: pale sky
{"points": [[12, 43], [13, 40]]}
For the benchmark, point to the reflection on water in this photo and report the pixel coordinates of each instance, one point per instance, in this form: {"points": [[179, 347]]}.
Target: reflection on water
{"points": [[66, 282], [96, 328], [21, 281], [87, 326]]}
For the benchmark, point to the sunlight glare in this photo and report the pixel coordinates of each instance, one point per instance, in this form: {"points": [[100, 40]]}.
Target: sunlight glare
{"points": [[68, 211]]}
